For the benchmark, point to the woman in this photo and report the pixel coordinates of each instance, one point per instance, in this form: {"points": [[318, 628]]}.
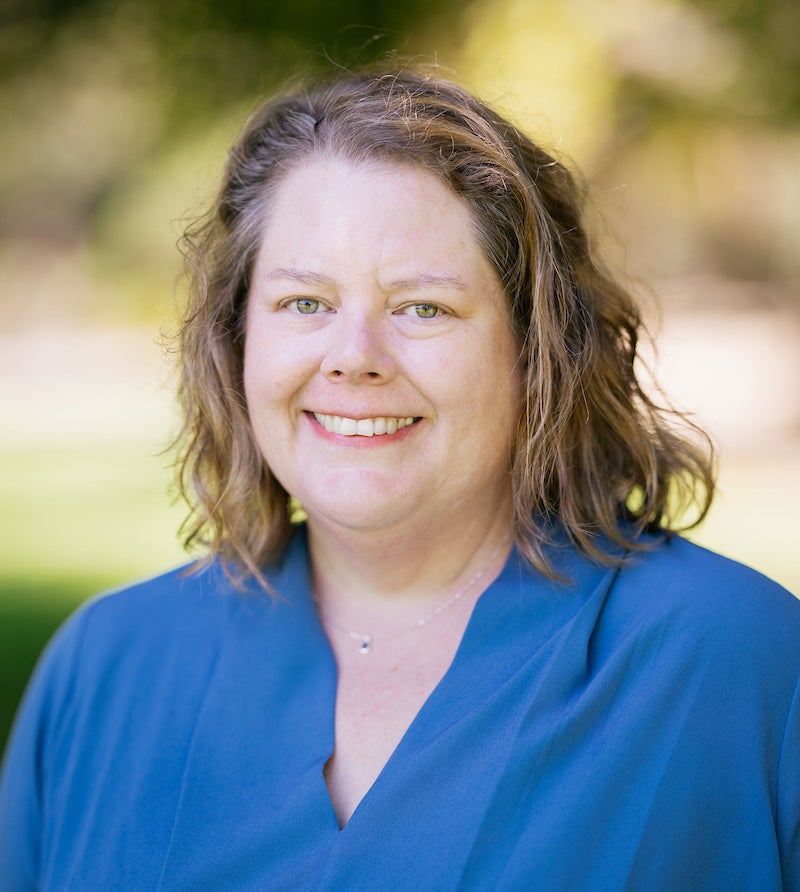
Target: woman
{"points": [[482, 662]]}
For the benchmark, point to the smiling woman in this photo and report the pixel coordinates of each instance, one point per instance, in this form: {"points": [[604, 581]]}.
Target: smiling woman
{"points": [[378, 244], [485, 659]]}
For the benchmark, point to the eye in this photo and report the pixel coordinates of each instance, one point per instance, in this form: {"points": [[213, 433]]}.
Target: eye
{"points": [[304, 305], [423, 311]]}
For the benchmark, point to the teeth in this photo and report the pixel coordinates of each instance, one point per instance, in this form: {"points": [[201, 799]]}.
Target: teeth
{"points": [[362, 427]]}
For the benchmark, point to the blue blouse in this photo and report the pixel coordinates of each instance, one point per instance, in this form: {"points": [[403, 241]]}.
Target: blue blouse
{"points": [[635, 729]]}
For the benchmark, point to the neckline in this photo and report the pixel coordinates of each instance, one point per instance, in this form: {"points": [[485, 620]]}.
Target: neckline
{"points": [[265, 728], [426, 716]]}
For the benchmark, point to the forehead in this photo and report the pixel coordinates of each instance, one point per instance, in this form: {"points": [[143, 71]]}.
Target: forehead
{"points": [[396, 213], [330, 183]]}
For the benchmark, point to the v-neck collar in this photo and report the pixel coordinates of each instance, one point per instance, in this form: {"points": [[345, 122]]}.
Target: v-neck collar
{"points": [[254, 768], [510, 624]]}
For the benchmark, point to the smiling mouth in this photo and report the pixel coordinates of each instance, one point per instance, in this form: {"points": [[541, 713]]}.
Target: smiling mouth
{"points": [[361, 427]]}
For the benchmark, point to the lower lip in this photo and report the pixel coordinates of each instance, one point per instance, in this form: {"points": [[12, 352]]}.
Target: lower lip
{"points": [[358, 442]]}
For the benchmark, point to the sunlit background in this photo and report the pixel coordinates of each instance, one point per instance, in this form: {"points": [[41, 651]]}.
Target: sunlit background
{"points": [[114, 119]]}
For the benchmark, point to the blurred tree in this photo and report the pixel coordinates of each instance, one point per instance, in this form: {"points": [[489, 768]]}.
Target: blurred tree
{"points": [[769, 30], [98, 100], [684, 113], [206, 52], [108, 108]]}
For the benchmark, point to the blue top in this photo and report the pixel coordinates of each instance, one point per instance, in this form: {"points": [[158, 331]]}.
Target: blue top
{"points": [[636, 729]]}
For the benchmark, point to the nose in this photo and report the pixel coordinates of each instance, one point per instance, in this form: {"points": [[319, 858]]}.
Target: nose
{"points": [[358, 351]]}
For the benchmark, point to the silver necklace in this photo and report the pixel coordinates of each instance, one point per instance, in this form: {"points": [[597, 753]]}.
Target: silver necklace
{"points": [[365, 640]]}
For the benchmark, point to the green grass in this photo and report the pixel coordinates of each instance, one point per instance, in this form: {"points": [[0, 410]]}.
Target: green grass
{"points": [[100, 512], [30, 612], [77, 521]]}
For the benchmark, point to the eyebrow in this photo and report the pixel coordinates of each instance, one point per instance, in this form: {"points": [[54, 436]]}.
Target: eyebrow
{"points": [[300, 276], [424, 280], [428, 280]]}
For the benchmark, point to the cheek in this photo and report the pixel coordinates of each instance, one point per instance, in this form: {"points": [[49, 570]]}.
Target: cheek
{"points": [[498, 406], [483, 406], [271, 369], [257, 376]]}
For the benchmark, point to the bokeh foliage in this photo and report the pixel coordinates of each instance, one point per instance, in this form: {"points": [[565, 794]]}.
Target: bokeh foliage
{"points": [[108, 111]]}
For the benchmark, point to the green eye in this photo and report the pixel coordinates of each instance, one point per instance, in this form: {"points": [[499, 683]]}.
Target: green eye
{"points": [[425, 311], [306, 305]]}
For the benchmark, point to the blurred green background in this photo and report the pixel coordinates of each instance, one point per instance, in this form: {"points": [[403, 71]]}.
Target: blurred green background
{"points": [[114, 119]]}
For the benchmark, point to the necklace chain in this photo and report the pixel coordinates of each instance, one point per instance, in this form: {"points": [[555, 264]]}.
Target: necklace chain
{"points": [[365, 640]]}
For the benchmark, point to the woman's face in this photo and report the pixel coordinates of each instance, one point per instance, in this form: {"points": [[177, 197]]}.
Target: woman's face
{"points": [[380, 367]]}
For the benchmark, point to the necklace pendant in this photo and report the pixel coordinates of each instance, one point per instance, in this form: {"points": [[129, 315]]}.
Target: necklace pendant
{"points": [[365, 647]]}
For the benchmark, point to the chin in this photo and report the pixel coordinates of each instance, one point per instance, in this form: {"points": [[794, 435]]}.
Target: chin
{"points": [[366, 512], [355, 516]]}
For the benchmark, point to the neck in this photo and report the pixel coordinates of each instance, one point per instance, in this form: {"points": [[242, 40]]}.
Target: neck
{"points": [[386, 573]]}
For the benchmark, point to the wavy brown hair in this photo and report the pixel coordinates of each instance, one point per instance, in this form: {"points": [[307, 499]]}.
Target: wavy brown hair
{"points": [[594, 455]]}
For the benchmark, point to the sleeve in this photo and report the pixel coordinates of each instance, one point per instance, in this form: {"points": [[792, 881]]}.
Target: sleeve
{"points": [[788, 801], [23, 778]]}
